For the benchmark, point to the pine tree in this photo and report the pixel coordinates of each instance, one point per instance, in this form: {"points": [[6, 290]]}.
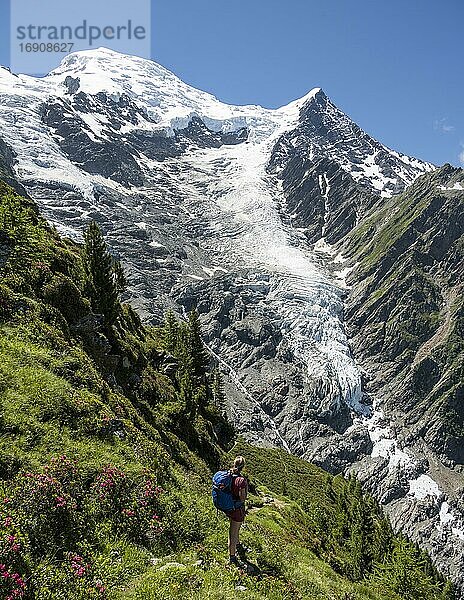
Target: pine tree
{"points": [[187, 392], [448, 591], [170, 333], [198, 356], [360, 538], [340, 528], [382, 539], [328, 487], [103, 279], [405, 573], [217, 387], [119, 276]]}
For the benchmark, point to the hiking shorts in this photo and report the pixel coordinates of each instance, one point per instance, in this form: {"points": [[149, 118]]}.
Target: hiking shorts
{"points": [[237, 515]]}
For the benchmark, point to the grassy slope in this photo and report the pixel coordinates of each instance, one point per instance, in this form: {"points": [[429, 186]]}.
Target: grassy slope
{"points": [[289, 568], [58, 397]]}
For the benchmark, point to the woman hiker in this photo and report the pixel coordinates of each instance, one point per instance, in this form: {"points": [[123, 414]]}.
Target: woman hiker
{"points": [[237, 516]]}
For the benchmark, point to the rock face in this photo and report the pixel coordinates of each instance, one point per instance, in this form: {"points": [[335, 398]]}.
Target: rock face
{"points": [[7, 160], [405, 315], [326, 268]]}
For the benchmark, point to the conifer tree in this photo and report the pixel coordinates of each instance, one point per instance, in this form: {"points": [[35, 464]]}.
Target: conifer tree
{"points": [[187, 391], [382, 537], [359, 543], [170, 333], [217, 387], [328, 487], [103, 279], [405, 573], [119, 276], [448, 591], [198, 356]]}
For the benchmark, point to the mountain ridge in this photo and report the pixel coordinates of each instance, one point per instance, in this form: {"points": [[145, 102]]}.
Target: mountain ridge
{"points": [[245, 214]]}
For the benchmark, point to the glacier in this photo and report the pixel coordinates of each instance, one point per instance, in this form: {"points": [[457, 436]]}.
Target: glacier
{"points": [[230, 186], [211, 215]]}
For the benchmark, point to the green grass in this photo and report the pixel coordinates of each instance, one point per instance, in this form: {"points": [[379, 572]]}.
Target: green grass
{"points": [[288, 568]]}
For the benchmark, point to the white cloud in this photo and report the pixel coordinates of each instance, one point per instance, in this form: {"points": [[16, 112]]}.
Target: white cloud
{"points": [[443, 126]]}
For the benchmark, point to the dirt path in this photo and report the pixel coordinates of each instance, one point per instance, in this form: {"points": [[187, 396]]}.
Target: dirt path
{"points": [[269, 501]]}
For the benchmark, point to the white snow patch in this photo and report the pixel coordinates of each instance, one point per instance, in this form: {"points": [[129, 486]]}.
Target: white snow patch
{"points": [[424, 486], [340, 258], [197, 277], [420, 488], [325, 189], [445, 514], [211, 272], [96, 124], [343, 274], [322, 246], [456, 186], [447, 519], [384, 444]]}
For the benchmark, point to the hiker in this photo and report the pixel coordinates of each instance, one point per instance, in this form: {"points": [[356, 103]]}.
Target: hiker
{"points": [[237, 516]]}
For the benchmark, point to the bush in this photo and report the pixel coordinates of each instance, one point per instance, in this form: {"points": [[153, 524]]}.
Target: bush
{"points": [[186, 520], [73, 578], [62, 293], [132, 507], [13, 552], [6, 303], [156, 388], [47, 506]]}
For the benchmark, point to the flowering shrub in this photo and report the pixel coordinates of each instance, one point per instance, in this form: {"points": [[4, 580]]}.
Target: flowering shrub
{"points": [[47, 527], [13, 548], [132, 508], [40, 273], [46, 504], [74, 578], [78, 568], [12, 585]]}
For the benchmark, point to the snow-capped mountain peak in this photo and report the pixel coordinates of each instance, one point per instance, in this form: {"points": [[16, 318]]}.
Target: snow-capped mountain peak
{"points": [[236, 210], [105, 125], [162, 104]]}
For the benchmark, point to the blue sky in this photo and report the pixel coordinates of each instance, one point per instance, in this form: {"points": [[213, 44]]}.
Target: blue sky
{"points": [[396, 67]]}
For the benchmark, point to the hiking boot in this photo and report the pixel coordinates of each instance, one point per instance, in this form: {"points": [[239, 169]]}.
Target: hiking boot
{"points": [[242, 550], [233, 560]]}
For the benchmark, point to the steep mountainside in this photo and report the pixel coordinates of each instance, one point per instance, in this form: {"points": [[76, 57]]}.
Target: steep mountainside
{"points": [[256, 218], [108, 444], [406, 319]]}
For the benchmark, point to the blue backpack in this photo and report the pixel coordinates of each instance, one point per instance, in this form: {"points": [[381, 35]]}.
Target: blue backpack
{"points": [[222, 492]]}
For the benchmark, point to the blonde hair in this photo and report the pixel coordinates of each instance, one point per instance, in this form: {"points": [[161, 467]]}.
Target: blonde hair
{"points": [[239, 463]]}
